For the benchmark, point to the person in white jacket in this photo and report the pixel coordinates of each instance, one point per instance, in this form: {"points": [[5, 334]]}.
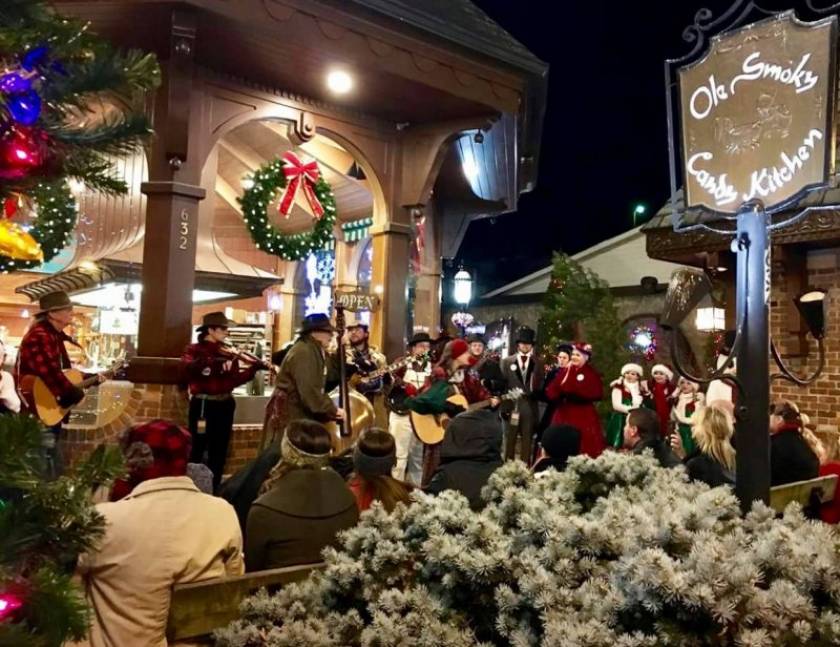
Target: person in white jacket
{"points": [[627, 394]]}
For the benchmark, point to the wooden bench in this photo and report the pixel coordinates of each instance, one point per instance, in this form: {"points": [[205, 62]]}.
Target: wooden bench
{"points": [[199, 608], [809, 494]]}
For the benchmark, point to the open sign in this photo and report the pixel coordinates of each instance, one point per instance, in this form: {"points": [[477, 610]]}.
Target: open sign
{"points": [[356, 301]]}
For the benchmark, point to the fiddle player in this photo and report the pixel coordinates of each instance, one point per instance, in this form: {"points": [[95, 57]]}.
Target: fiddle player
{"points": [[213, 372]]}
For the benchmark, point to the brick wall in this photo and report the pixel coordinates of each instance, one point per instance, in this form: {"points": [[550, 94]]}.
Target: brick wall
{"points": [[821, 400]]}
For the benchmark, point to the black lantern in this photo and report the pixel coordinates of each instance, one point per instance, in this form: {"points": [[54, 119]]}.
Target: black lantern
{"points": [[688, 287], [811, 306]]}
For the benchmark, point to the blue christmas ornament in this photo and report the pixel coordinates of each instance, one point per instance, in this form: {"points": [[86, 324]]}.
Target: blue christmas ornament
{"points": [[34, 57], [14, 83], [24, 108]]}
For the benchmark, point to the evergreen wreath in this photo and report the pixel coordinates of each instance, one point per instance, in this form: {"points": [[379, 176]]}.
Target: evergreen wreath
{"points": [[55, 220], [268, 181]]}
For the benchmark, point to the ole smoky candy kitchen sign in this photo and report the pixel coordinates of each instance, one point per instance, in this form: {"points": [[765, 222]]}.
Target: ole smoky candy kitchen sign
{"points": [[756, 115]]}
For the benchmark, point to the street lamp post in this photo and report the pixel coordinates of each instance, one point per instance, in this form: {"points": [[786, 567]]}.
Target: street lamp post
{"points": [[462, 293], [638, 212]]}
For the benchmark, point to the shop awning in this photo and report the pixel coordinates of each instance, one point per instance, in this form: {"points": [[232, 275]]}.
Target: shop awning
{"points": [[76, 280]]}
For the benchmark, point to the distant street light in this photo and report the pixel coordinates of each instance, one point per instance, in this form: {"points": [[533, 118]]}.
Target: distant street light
{"points": [[639, 211]]}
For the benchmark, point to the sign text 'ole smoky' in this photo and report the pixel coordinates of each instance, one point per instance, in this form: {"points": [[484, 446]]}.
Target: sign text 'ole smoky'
{"points": [[756, 114]]}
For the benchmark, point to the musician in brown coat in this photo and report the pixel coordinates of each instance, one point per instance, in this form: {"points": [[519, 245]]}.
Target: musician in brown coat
{"points": [[299, 391]]}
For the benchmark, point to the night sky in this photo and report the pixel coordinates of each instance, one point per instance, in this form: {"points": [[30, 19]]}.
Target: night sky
{"points": [[604, 146]]}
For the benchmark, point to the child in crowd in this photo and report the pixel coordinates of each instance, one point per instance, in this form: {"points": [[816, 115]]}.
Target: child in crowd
{"points": [[660, 392]]}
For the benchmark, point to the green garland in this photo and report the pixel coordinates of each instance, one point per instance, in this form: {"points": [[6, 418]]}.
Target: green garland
{"points": [[56, 217], [269, 180]]}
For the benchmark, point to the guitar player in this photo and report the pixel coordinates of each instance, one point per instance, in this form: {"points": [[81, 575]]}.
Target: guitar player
{"points": [[448, 378], [42, 354]]}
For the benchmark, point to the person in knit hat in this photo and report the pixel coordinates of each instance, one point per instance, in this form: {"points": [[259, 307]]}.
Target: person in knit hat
{"points": [[304, 505], [687, 404], [448, 378], [160, 531], [374, 458], [661, 390], [574, 393], [627, 393]]}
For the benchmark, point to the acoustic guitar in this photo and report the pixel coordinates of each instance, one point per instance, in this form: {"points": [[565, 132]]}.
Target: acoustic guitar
{"points": [[430, 428], [41, 400]]}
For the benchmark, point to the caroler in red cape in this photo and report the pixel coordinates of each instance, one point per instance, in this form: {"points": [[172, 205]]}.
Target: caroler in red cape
{"points": [[574, 393]]}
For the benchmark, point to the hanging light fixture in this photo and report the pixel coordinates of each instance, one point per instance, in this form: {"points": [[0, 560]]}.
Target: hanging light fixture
{"points": [[811, 306], [462, 287]]}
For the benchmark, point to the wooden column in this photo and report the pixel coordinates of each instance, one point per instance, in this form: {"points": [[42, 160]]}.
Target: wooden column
{"points": [[390, 275], [173, 193]]}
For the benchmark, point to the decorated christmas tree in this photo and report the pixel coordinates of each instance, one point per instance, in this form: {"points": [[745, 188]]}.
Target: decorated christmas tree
{"points": [[578, 306], [613, 551], [44, 526], [69, 103]]}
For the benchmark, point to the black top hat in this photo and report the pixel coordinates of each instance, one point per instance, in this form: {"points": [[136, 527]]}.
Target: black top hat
{"points": [[215, 320], [475, 338], [419, 337], [315, 322], [526, 335], [54, 301]]}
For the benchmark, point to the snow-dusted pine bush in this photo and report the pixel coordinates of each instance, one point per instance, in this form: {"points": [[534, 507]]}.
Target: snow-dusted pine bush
{"points": [[615, 551]]}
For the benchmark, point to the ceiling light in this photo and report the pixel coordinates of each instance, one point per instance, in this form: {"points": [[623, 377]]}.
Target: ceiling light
{"points": [[339, 82]]}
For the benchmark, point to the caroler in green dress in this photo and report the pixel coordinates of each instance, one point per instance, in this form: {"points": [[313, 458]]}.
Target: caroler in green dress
{"points": [[626, 396], [687, 404]]}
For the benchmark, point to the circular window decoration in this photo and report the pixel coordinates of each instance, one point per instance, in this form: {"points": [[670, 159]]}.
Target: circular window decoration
{"points": [[289, 175], [25, 246]]}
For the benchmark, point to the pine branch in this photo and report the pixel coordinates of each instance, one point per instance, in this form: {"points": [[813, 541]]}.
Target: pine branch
{"points": [[96, 173], [115, 136], [20, 451], [104, 70]]}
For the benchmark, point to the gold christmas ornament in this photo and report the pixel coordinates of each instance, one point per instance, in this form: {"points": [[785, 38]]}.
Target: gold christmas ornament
{"points": [[18, 244]]}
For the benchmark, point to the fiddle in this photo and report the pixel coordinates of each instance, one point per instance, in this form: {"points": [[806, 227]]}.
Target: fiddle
{"points": [[243, 356]]}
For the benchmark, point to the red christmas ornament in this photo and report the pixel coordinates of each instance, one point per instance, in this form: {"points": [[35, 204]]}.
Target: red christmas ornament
{"points": [[9, 604], [10, 207], [21, 151]]}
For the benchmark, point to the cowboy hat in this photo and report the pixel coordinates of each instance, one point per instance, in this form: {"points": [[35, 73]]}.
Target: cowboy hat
{"points": [[354, 321], [419, 338], [54, 301], [315, 322], [215, 320]]}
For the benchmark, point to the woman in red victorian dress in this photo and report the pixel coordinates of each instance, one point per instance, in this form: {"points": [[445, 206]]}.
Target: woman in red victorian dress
{"points": [[574, 393]]}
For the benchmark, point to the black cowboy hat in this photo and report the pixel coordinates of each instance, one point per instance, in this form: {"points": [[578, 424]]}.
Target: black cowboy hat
{"points": [[475, 338], [418, 338], [54, 301], [315, 322], [215, 320], [526, 335]]}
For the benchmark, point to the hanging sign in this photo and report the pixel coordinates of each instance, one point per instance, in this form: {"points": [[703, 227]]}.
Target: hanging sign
{"points": [[356, 301], [757, 114]]}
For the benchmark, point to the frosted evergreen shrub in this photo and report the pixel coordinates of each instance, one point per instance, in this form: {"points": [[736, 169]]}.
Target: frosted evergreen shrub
{"points": [[615, 551]]}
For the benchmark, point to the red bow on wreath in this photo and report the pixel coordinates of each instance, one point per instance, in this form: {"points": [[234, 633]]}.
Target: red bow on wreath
{"points": [[297, 173]]}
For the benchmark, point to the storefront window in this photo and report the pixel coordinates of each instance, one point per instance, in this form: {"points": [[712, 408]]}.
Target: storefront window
{"points": [[314, 282]]}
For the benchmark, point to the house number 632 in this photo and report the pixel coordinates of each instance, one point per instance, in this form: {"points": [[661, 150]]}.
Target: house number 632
{"points": [[184, 229]]}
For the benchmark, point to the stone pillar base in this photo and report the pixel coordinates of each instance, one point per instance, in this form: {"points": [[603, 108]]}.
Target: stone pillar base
{"points": [[146, 402]]}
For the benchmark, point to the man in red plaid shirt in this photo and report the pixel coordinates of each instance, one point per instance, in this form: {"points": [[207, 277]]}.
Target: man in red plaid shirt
{"points": [[42, 354], [213, 373]]}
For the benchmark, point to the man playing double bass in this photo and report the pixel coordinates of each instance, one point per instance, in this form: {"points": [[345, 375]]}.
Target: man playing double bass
{"points": [[299, 391]]}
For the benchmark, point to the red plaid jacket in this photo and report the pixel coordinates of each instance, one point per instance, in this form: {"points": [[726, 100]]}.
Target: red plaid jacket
{"points": [[42, 354], [204, 364]]}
